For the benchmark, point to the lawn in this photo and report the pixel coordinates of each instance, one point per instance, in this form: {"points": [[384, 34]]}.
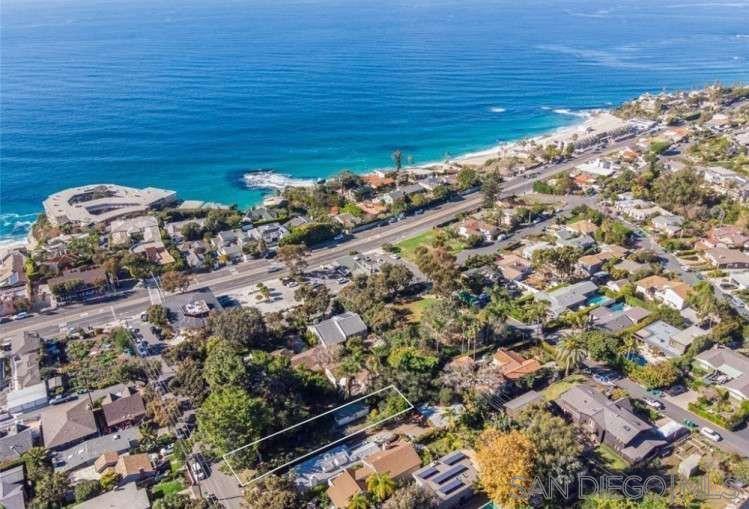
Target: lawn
{"points": [[167, 488], [556, 389], [416, 308], [408, 246], [610, 458]]}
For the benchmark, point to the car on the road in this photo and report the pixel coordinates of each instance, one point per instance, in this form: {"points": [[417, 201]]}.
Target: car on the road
{"points": [[690, 424], [604, 378], [21, 315], [675, 390], [338, 237], [292, 284], [653, 403], [686, 268], [395, 256], [4, 319], [58, 400], [654, 393], [274, 268], [711, 434]]}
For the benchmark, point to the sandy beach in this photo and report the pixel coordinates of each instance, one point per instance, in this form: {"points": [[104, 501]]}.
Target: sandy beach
{"points": [[597, 122]]}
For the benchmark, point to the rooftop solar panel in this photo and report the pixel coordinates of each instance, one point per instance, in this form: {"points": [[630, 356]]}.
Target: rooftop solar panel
{"points": [[451, 486], [429, 472], [453, 458], [449, 473]]}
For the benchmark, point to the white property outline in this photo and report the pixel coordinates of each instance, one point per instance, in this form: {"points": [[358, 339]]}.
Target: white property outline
{"points": [[326, 446]]}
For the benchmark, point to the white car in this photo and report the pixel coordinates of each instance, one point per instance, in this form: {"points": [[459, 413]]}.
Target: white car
{"points": [[711, 434], [654, 403]]}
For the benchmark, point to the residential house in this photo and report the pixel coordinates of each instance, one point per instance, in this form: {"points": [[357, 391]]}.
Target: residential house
{"points": [[472, 226], [528, 250], [723, 258], [728, 182], [28, 390], [338, 329], [14, 441], [134, 468], [348, 220], [295, 222], [129, 496], [615, 320], [730, 363], [672, 293], [12, 281], [600, 167], [78, 284], [516, 405], [731, 237], [89, 452], [229, 244], [513, 365], [123, 409], [451, 479], [668, 224], [13, 488], [513, 267], [68, 424], [636, 208], [569, 297], [611, 422], [124, 232], [431, 183], [583, 227], [378, 181], [593, 263], [399, 461], [174, 229], [194, 253], [631, 266], [667, 339], [567, 238], [271, 233]]}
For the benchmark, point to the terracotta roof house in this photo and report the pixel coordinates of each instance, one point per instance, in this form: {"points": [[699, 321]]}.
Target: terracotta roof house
{"points": [[123, 409], [648, 286], [472, 226], [134, 467], [727, 237], [67, 424], [513, 365], [106, 460], [611, 422], [585, 226], [514, 267], [398, 461]]}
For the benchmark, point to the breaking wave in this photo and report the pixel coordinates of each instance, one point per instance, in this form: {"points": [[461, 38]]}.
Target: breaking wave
{"points": [[14, 226], [497, 109], [565, 111], [268, 179]]}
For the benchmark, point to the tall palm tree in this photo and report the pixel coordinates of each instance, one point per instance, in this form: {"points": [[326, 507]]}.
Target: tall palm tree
{"points": [[358, 501], [629, 345], [381, 485], [571, 353], [397, 156]]}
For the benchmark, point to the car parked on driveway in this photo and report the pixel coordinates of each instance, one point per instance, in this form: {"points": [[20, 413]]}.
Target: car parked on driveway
{"points": [[653, 403]]}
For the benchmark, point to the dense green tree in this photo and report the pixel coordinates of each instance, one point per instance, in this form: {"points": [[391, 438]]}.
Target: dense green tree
{"points": [[491, 185], [85, 489], [230, 417], [410, 496], [380, 485], [241, 327], [50, 489], [571, 353], [37, 463], [224, 365], [273, 492]]}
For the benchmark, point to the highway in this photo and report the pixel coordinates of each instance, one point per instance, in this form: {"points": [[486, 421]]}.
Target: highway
{"points": [[234, 277]]}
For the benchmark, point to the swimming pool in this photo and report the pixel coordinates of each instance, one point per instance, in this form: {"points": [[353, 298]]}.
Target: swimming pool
{"points": [[618, 306], [597, 300]]}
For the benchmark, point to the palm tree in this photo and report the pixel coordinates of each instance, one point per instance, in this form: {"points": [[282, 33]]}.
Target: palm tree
{"points": [[358, 501], [397, 156], [381, 485], [629, 345], [263, 290], [571, 353]]}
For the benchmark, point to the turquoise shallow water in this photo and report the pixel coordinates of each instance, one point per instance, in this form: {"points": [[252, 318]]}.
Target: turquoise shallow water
{"points": [[193, 95]]}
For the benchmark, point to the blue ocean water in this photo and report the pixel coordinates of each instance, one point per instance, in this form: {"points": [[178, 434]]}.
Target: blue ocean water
{"points": [[191, 94]]}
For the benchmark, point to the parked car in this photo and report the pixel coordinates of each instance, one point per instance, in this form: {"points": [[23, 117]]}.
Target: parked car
{"points": [[653, 403], [274, 268], [342, 281], [711, 434], [197, 470], [675, 390], [21, 315], [604, 378], [338, 237], [654, 393]]}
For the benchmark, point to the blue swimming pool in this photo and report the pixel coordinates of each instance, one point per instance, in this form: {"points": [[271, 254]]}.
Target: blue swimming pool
{"points": [[617, 306], [636, 358], [597, 300]]}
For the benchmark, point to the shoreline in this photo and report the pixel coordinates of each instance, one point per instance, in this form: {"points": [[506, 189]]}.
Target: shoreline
{"points": [[593, 118]]}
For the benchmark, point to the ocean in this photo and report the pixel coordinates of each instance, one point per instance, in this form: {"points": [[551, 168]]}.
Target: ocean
{"points": [[223, 100]]}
